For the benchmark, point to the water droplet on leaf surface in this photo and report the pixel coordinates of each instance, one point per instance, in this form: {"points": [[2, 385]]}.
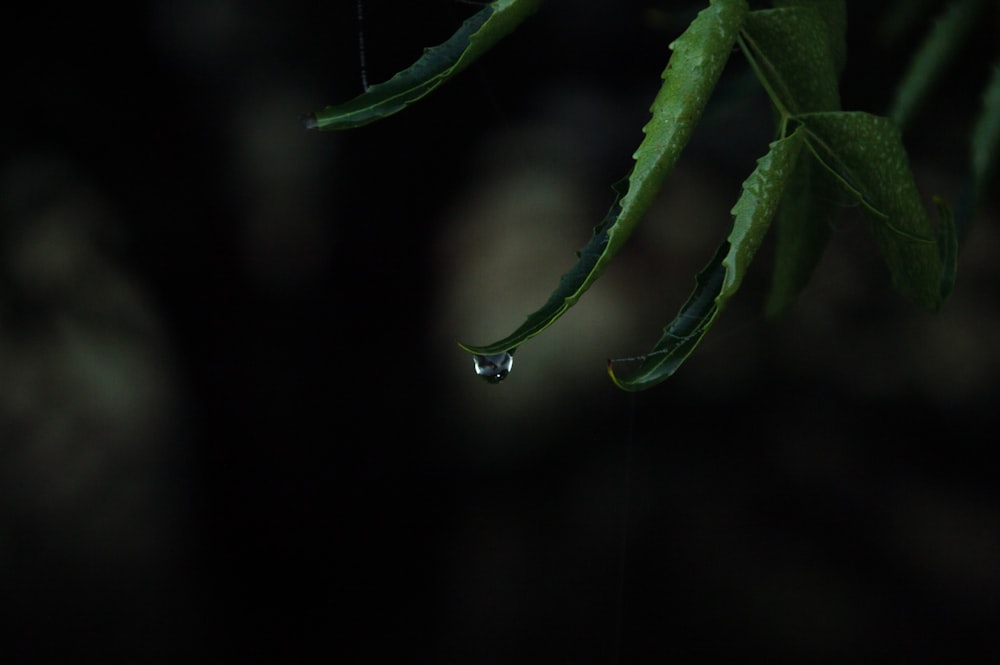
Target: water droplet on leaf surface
{"points": [[494, 368]]}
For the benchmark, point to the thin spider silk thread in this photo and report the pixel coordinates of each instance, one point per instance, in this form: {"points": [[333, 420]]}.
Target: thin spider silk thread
{"points": [[361, 46], [623, 546]]}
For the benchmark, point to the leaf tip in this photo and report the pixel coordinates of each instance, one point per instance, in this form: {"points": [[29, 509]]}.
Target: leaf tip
{"points": [[309, 121], [467, 347], [611, 373], [621, 382]]}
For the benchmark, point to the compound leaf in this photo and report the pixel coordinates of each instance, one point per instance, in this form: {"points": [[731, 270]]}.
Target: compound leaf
{"points": [[698, 57], [795, 51]]}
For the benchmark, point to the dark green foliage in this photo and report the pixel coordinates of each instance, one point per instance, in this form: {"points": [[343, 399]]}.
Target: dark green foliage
{"points": [[797, 51]]}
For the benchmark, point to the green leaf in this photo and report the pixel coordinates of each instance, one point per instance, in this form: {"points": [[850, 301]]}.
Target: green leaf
{"points": [[437, 65], [985, 138], [698, 58], [682, 334], [721, 279], [948, 245], [794, 50], [803, 228], [752, 214], [790, 51], [571, 285], [932, 58], [871, 163], [834, 15]]}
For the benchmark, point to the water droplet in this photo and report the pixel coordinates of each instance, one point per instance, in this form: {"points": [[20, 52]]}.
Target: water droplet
{"points": [[494, 368]]}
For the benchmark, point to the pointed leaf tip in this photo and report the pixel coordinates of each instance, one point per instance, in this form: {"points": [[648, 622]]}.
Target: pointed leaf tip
{"points": [[438, 64], [698, 59], [721, 278]]}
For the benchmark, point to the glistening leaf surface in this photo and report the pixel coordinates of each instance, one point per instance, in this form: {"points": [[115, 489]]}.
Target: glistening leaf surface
{"points": [[790, 50], [871, 162], [437, 65], [834, 15], [794, 51], [698, 57], [721, 279]]}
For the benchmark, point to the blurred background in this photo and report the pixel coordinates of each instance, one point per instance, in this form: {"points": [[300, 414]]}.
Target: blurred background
{"points": [[235, 425]]}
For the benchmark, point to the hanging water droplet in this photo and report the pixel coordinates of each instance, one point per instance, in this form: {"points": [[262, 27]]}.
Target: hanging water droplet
{"points": [[494, 368]]}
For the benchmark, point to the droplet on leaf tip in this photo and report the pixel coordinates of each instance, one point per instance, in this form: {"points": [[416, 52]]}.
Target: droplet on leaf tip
{"points": [[494, 368]]}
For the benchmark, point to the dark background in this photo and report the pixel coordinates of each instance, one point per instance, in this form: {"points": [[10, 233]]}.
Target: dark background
{"points": [[234, 424]]}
